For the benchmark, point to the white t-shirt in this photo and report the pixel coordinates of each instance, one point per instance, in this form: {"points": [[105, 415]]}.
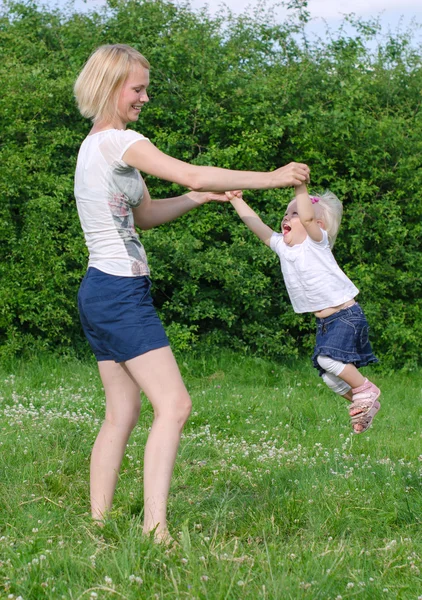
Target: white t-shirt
{"points": [[312, 276], [106, 189]]}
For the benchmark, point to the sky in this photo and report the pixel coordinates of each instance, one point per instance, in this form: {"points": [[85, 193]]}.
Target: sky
{"points": [[393, 13]]}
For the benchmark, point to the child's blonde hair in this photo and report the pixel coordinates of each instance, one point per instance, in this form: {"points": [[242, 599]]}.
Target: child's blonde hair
{"points": [[330, 211], [99, 83]]}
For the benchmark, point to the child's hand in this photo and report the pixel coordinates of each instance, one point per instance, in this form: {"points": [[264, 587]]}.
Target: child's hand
{"points": [[233, 194]]}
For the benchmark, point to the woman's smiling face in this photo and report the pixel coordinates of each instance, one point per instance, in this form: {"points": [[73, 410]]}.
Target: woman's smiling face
{"points": [[133, 96]]}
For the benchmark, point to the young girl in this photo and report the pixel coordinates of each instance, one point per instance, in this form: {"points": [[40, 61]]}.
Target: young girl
{"points": [[316, 283]]}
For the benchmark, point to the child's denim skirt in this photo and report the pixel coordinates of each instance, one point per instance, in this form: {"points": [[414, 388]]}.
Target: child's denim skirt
{"points": [[118, 316], [344, 336]]}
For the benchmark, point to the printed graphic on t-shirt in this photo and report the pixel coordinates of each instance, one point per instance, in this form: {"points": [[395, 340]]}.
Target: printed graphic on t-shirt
{"points": [[127, 181], [126, 190]]}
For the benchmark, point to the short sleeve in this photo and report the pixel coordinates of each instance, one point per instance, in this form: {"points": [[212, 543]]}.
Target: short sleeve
{"points": [[277, 242], [324, 243], [116, 143]]}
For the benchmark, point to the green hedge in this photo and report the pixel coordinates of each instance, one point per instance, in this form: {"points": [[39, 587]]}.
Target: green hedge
{"points": [[238, 92]]}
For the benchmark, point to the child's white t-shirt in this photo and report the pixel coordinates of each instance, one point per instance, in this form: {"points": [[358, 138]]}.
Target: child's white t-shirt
{"points": [[106, 189], [313, 279]]}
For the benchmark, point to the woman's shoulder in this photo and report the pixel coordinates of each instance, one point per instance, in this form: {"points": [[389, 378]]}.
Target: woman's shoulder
{"points": [[116, 134], [112, 143]]}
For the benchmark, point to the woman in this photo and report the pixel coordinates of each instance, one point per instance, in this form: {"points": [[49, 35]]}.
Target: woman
{"points": [[115, 305]]}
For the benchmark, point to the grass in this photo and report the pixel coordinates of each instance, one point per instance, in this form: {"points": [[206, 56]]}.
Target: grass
{"points": [[272, 497]]}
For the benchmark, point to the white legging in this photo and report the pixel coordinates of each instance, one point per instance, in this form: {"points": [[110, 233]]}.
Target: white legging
{"points": [[331, 378]]}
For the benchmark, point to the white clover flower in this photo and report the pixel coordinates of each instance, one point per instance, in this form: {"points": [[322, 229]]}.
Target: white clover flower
{"points": [[108, 580]]}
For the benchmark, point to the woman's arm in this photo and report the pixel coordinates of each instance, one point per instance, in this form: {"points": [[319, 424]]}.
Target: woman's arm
{"points": [[250, 218], [143, 155], [306, 212], [151, 213]]}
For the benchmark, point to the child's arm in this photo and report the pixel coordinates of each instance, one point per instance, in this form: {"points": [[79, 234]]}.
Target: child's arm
{"points": [[306, 212], [250, 218]]}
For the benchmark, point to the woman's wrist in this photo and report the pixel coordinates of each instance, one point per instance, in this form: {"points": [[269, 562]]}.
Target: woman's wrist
{"points": [[197, 197]]}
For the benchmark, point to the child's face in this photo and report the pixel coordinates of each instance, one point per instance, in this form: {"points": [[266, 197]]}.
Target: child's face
{"points": [[292, 229]]}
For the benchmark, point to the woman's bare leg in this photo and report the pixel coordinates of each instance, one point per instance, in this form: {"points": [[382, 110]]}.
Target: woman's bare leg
{"points": [[123, 404], [157, 373]]}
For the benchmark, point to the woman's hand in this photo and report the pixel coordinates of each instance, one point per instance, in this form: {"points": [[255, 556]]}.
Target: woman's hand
{"points": [[204, 197], [293, 174]]}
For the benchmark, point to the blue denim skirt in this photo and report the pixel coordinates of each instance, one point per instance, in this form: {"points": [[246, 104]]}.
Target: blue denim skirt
{"points": [[118, 316], [344, 336]]}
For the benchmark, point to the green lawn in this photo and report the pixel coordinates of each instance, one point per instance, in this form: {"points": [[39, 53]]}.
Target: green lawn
{"points": [[272, 498]]}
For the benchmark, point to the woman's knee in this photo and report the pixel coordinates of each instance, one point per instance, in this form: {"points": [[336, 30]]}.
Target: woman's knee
{"points": [[176, 409], [183, 408], [124, 418]]}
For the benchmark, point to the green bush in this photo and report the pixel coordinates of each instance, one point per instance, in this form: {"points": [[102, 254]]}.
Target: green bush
{"points": [[238, 92]]}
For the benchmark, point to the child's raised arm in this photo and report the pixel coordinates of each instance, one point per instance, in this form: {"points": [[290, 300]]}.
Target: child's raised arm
{"points": [[250, 218], [307, 213]]}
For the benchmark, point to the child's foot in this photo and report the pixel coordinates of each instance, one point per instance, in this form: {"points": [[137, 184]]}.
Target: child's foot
{"points": [[365, 406]]}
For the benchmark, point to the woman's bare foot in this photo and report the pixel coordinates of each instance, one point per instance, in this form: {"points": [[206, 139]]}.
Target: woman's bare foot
{"points": [[162, 536]]}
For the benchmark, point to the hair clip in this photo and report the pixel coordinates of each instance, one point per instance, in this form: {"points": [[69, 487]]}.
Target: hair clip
{"points": [[314, 199]]}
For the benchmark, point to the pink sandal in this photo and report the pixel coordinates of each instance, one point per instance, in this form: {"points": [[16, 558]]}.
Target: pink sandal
{"points": [[365, 400]]}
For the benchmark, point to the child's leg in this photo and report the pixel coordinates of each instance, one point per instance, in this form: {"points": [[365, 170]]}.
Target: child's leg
{"points": [[362, 392], [337, 385], [347, 373], [365, 406]]}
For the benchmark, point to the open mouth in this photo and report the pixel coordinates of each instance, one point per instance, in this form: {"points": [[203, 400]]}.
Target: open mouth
{"points": [[286, 228]]}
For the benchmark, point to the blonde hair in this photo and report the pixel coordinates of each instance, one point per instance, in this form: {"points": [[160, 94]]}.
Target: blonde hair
{"points": [[330, 211], [99, 83]]}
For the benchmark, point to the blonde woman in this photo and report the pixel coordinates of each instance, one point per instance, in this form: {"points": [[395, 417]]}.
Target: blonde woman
{"points": [[114, 300]]}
